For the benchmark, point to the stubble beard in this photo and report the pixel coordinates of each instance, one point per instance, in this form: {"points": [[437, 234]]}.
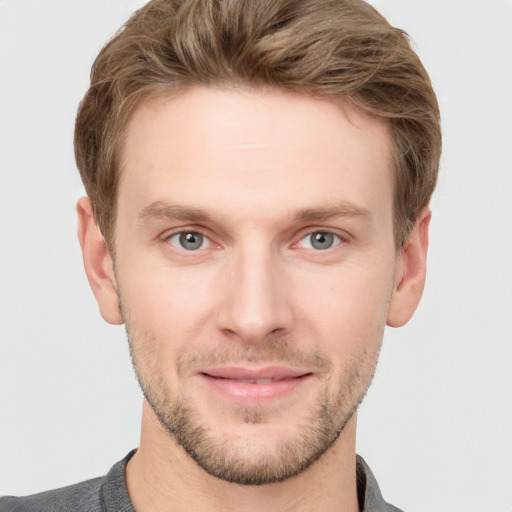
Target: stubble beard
{"points": [[243, 461]]}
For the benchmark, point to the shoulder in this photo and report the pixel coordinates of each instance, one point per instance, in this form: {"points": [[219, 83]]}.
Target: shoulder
{"points": [[96, 495], [81, 497]]}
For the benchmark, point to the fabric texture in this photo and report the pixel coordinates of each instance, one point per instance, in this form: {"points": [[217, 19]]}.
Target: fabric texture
{"points": [[109, 494]]}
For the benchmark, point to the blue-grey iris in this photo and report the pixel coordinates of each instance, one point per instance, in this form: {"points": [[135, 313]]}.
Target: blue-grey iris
{"points": [[191, 241], [322, 240]]}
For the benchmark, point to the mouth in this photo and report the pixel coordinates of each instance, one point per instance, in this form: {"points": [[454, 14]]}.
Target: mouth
{"points": [[248, 385]]}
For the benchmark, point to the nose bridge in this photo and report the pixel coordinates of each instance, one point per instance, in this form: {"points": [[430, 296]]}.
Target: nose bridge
{"points": [[256, 303]]}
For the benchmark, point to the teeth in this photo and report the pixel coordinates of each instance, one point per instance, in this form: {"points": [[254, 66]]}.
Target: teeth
{"points": [[255, 381]]}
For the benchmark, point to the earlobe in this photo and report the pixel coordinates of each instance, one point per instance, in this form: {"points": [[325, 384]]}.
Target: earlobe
{"points": [[410, 273], [98, 263]]}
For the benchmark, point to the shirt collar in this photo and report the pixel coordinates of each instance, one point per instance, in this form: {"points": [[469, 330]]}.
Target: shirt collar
{"points": [[115, 493], [368, 492]]}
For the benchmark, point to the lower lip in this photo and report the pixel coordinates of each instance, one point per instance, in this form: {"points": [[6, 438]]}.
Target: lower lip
{"points": [[244, 392]]}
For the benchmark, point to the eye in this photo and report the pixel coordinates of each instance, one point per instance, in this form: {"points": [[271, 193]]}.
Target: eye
{"points": [[190, 241], [320, 240]]}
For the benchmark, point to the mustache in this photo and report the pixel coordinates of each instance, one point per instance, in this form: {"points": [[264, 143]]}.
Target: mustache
{"points": [[278, 352]]}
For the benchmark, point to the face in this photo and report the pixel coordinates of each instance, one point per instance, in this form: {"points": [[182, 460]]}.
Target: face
{"points": [[255, 266]]}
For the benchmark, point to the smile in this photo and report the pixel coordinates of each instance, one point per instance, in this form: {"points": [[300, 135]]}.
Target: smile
{"points": [[246, 386]]}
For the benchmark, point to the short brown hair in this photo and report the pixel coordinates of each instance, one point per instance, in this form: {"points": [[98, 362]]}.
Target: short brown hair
{"points": [[339, 48]]}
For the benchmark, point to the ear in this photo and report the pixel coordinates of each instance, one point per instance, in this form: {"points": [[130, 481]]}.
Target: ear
{"points": [[98, 263], [410, 273]]}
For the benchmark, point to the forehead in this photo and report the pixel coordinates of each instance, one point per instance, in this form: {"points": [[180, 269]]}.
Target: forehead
{"points": [[220, 148]]}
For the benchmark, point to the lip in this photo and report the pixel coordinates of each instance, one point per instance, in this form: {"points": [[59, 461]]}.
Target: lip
{"points": [[255, 385]]}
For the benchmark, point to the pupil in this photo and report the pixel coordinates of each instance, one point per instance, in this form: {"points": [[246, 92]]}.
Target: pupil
{"points": [[191, 240], [322, 240]]}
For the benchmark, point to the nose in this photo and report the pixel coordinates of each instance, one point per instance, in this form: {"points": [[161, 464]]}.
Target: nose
{"points": [[255, 297]]}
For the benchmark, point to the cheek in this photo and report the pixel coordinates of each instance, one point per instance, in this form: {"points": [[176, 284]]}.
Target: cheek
{"points": [[348, 307], [165, 306], [358, 288]]}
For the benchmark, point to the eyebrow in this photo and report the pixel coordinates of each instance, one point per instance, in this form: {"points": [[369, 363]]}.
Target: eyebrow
{"points": [[343, 209], [164, 210]]}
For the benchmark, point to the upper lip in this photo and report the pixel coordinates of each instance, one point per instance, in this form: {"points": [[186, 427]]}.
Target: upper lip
{"points": [[264, 373]]}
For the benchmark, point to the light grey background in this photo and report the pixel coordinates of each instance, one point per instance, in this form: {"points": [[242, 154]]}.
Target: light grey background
{"points": [[436, 427]]}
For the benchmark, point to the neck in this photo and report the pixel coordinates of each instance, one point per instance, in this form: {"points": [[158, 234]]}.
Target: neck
{"points": [[161, 476]]}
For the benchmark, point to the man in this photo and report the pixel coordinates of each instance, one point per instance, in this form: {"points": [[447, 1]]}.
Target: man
{"points": [[258, 178]]}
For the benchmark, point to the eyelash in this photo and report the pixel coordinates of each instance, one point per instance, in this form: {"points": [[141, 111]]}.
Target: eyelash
{"points": [[335, 239]]}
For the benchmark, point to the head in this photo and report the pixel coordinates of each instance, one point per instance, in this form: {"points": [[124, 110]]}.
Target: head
{"points": [[259, 174]]}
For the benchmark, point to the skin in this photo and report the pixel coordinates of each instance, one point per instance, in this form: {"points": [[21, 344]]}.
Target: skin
{"points": [[255, 172]]}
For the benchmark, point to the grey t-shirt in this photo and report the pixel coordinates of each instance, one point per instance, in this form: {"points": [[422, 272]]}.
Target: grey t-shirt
{"points": [[109, 494]]}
